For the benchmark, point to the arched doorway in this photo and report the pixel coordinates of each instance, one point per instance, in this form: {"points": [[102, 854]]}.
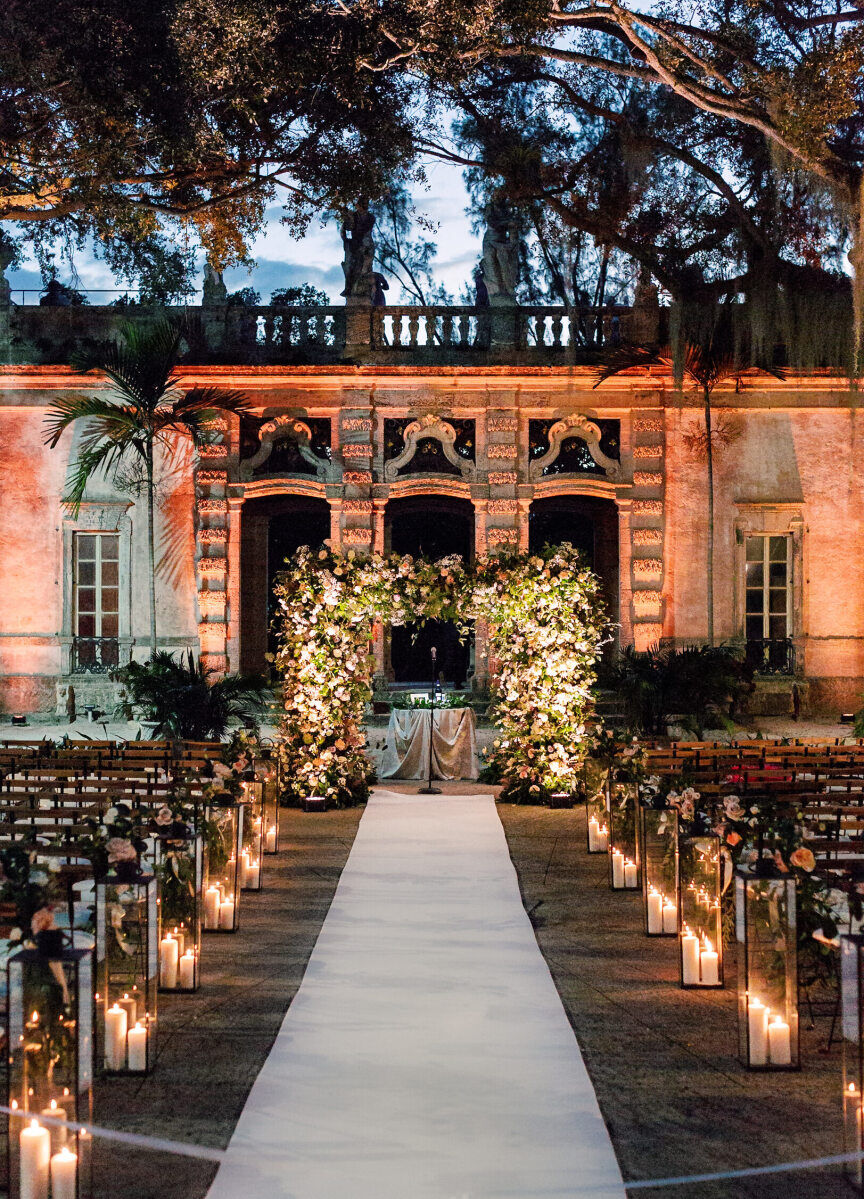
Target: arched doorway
{"points": [[431, 526], [590, 524], [272, 529]]}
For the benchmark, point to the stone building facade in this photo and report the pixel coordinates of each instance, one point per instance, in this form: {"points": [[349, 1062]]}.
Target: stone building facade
{"points": [[499, 446]]}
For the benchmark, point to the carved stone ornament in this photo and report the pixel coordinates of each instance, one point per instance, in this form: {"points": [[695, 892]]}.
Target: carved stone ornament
{"points": [[428, 426], [275, 430], [575, 425]]}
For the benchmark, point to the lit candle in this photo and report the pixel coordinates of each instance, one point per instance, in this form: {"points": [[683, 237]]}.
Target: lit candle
{"points": [[689, 959], [757, 1023], [244, 867], [593, 834], [631, 874], [34, 1145], [56, 1132], [169, 956], [779, 1043], [179, 935], [603, 840], [670, 917], [709, 963], [130, 1007], [253, 874], [271, 839], [617, 869], [212, 900], [187, 970], [137, 1044], [64, 1171], [226, 914], [655, 912], [115, 1038]]}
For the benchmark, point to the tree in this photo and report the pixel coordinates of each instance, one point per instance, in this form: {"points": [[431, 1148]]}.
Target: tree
{"points": [[148, 408], [705, 367]]}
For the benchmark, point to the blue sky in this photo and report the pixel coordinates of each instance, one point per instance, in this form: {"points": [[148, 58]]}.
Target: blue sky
{"points": [[282, 261]]}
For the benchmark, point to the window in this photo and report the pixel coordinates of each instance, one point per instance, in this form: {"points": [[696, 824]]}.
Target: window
{"points": [[96, 601], [768, 601]]}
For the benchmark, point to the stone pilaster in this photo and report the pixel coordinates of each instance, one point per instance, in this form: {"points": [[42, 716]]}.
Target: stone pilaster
{"points": [[647, 527], [211, 549]]}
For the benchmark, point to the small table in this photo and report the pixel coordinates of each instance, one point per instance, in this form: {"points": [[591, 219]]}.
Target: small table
{"points": [[454, 744]]}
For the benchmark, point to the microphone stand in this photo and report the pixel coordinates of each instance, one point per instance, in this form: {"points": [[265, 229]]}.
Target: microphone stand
{"points": [[429, 789]]}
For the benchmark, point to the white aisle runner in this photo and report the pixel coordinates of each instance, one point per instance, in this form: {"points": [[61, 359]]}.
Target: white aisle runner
{"points": [[426, 1054]]}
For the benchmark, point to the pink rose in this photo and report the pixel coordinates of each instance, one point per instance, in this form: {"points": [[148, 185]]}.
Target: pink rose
{"points": [[42, 921], [121, 850], [803, 858], [164, 816]]}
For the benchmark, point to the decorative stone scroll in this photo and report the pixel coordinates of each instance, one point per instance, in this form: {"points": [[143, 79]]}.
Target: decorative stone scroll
{"points": [[275, 430], [575, 425], [428, 426]]}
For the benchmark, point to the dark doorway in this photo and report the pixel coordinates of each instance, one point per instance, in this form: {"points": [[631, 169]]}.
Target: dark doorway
{"points": [[431, 526], [588, 523], [273, 528]]}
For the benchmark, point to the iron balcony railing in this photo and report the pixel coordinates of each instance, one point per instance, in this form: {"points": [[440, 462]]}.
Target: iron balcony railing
{"points": [[769, 656], [95, 655]]}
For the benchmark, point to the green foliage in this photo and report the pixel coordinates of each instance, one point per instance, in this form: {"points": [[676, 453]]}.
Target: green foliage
{"points": [[305, 295], [28, 886], [184, 701], [245, 297]]}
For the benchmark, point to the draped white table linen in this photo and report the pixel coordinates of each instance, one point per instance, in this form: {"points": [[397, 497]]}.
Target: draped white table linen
{"points": [[454, 744]]}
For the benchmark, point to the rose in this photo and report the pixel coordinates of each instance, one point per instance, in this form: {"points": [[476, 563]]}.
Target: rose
{"points": [[802, 858], [733, 839], [41, 921], [164, 816], [732, 807], [120, 850]]}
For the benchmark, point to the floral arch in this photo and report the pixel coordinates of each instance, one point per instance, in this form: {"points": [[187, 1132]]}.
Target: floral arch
{"points": [[546, 627]]}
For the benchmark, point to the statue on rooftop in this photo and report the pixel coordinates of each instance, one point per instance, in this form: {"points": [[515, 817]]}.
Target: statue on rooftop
{"points": [[359, 254], [501, 253], [215, 291]]}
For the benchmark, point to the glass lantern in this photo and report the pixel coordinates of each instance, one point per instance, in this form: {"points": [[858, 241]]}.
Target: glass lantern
{"points": [[658, 829], [700, 939], [623, 841], [852, 1014], [127, 957], [180, 873], [252, 853], [268, 772], [224, 823], [596, 809], [765, 929], [50, 1072]]}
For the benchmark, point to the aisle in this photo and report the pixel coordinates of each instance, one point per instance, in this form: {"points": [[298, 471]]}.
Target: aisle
{"points": [[426, 1054]]}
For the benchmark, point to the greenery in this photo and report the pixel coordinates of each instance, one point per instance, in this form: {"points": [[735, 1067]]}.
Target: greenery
{"points": [[450, 699], [305, 295], [148, 413], [185, 701], [694, 685]]}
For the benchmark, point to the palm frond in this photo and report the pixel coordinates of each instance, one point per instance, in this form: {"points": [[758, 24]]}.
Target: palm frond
{"points": [[113, 419], [141, 364], [105, 456], [628, 358]]}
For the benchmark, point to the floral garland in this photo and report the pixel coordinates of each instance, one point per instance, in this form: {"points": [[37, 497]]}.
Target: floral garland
{"points": [[546, 626]]}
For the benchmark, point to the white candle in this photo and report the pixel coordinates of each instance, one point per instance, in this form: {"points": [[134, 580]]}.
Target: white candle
{"points": [[64, 1170], [617, 869], [130, 1007], [709, 964], [34, 1144], [689, 959], [187, 970], [56, 1132], [757, 1022], [253, 874], [779, 1043], [670, 917], [115, 1038], [226, 914], [137, 1044], [179, 935], [631, 874], [603, 840], [655, 912], [169, 956], [244, 866], [212, 900], [593, 834], [271, 839]]}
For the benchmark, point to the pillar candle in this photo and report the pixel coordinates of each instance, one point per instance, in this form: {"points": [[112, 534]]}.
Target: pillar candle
{"points": [[603, 840], [757, 1021], [179, 935], [212, 900], [655, 912], [631, 874], [689, 959], [34, 1145], [115, 1038], [137, 1044], [245, 858], [617, 869], [709, 965], [593, 834], [187, 970], [779, 1043], [253, 874], [169, 956], [226, 914], [271, 839], [130, 1007], [670, 917], [64, 1171], [56, 1132]]}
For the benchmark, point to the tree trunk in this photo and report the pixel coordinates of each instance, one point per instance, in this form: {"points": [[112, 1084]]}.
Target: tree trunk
{"points": [[710, 562], [151, 546]]}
